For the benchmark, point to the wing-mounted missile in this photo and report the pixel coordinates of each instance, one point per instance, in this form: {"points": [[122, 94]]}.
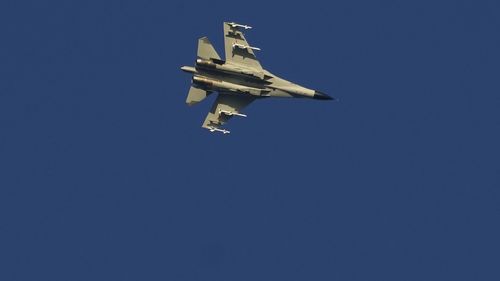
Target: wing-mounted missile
{"points": [[245, 47], [215, 129], [231, 113], [237, 25]]}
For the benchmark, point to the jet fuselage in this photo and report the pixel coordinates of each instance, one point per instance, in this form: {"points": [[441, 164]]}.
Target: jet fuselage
{"points": [[215, 76]]}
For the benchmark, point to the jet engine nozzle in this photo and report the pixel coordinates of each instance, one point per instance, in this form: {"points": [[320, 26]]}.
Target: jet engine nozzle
{"points": [[202, 81], [206, 63]]}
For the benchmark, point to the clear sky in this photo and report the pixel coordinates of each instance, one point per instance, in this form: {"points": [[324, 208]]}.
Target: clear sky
{"points": [[106, 174]]}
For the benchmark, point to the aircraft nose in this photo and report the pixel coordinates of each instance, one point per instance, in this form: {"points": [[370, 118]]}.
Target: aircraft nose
{"points": [[321, 96]]}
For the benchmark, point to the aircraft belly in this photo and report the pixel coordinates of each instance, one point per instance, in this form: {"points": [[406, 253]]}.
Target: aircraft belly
{"points": [[215, 84], [280, 94]]}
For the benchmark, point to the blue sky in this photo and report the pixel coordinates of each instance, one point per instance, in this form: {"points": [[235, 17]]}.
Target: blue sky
{"points": [[105, 173]]}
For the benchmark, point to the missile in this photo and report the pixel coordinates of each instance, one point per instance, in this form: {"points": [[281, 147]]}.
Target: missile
{"points": [[231, 113], [213, 129], [236, 25], [241, 46]]}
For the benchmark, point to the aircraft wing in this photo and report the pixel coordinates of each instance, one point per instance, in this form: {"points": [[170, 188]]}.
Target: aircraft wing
{"points": [[226, 106], [238, 51]]}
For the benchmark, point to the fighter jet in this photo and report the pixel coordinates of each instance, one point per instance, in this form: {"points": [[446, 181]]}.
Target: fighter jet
{"points": [[239, 80]]}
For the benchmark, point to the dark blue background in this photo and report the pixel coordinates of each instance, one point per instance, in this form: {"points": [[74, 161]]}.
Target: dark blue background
{"points": [[105, 173]]}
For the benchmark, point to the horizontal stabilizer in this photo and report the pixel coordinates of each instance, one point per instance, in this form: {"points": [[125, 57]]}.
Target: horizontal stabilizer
{"points": [[206, 50], [196, 95]]}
